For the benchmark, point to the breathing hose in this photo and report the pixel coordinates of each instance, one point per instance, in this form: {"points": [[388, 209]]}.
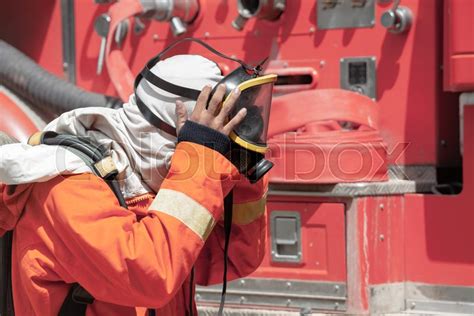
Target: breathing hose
{"points": [[43, 90]]}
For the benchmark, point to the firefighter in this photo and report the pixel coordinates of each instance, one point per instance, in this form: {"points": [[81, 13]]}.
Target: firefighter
{"points": [[68, 225]]}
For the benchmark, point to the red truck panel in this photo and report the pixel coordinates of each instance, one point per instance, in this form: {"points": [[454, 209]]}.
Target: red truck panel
{"points": [[323, 243], [440, 228], [459, 45]]}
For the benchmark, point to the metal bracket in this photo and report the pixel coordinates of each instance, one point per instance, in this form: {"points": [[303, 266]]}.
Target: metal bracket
{"points": [[287, 294], [335, 14]]}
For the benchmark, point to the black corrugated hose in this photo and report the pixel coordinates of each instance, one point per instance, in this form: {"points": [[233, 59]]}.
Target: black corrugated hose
{"points": [[43, 90]]}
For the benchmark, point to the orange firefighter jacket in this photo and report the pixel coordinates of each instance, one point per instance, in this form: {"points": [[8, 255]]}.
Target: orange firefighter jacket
{"points": [[72, 229]]}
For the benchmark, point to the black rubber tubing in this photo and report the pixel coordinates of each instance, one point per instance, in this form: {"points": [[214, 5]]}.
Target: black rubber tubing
{"points": [[43, 90]]}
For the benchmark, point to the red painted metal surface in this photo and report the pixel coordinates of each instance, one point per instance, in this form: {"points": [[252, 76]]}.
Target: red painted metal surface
{"points": [[307, 145], [459, 45], [412, 107], [408, 238], [440, 228], [14, 121], [382, 238], [420, 238], [323, 243]]}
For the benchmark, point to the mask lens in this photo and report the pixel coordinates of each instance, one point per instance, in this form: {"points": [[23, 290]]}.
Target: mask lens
{"points": [[257, 100]]}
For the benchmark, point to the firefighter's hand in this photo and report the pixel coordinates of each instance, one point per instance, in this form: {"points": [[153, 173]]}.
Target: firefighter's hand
{"points": [[214, 116]]}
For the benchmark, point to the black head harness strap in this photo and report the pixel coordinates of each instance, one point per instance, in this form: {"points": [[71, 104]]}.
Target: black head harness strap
{"points": [[175, 89], [150, 116]]}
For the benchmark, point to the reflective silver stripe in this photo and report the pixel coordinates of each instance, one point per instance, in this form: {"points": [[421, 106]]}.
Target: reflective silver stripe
{"points": [[192, 214]]}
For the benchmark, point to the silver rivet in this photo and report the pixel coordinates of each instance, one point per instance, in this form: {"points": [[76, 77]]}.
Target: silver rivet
{"points": [[288, 284], [206, 34], [288, 302], [336, 305], [413, 305], [198, 297], [381, 206], [242, 282], [322, 63], [336, 288], [156, 37], [312, 29], [382, 237], [242, 299]]}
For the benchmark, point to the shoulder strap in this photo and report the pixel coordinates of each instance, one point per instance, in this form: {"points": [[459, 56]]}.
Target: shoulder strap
{"points": [[77, 299], [96, 159]]}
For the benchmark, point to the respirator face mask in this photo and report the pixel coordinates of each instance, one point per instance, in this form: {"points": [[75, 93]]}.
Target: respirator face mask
{"points": [[249, 137]]}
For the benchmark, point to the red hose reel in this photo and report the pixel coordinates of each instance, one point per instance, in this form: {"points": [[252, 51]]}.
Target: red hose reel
{"points": [[325, 136]]}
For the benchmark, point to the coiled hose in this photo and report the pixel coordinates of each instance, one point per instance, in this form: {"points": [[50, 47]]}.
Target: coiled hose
{"points": [[43, 90]]}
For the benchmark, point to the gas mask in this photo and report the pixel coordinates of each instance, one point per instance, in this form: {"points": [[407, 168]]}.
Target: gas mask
{"points": [[249, 137]]}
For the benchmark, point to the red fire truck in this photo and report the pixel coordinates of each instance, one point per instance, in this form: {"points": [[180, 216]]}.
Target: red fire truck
{"points": [[371, 133]]}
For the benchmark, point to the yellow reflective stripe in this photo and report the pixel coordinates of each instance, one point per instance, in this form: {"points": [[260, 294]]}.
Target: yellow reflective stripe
{"points": [[246, 213], [192, 214]]}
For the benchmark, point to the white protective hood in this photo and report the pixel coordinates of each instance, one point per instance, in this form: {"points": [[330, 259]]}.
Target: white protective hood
{"points": [[141, 152]]}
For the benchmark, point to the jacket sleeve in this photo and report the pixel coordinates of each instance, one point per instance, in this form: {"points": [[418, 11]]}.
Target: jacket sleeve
{"points": [[248, 237], [139, 263]]}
